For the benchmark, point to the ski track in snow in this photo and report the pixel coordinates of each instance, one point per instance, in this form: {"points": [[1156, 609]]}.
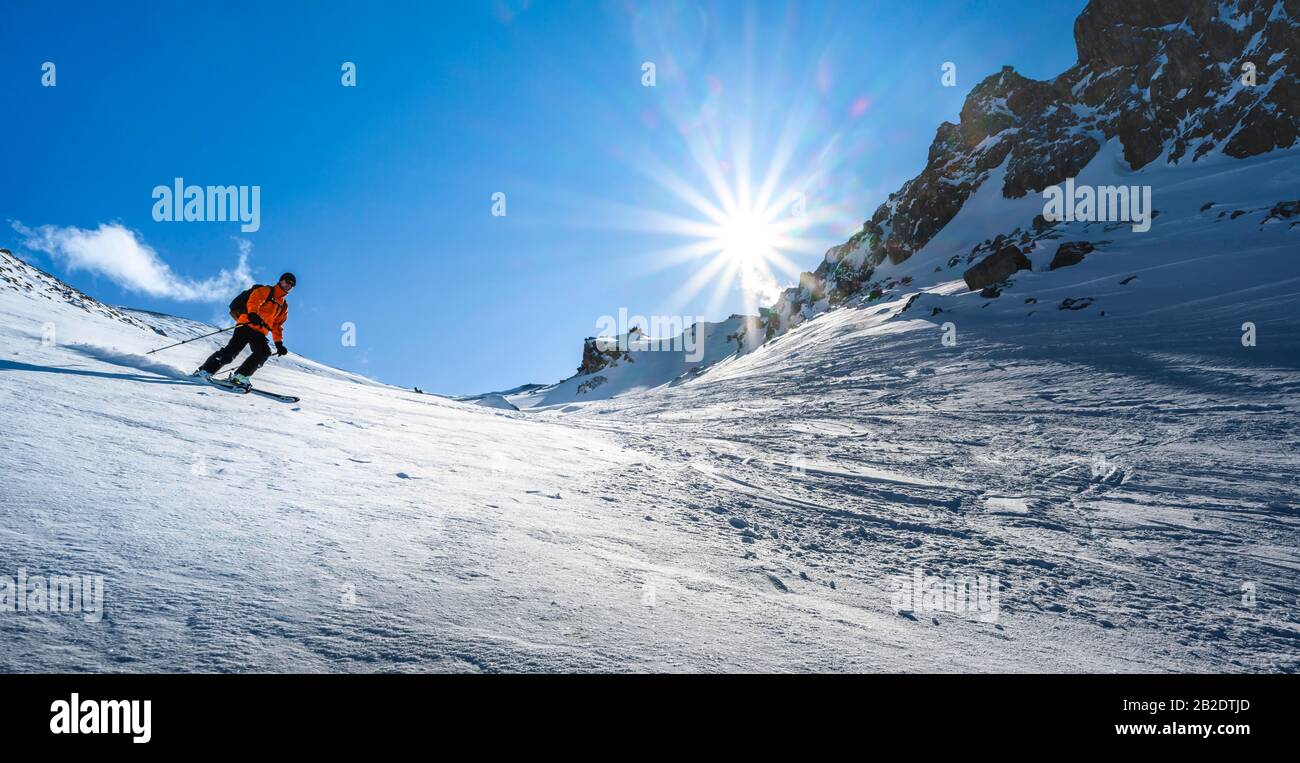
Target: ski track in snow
{"points": [[1121, 528]]}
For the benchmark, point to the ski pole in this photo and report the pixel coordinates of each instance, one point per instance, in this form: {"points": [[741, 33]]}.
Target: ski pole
{"points": [[187, 341]]}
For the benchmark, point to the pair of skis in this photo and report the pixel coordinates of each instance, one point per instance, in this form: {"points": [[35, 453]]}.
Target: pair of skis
{"points": [[226, 384]]}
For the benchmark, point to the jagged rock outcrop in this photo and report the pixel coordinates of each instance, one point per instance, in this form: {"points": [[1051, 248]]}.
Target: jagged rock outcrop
{"points": [[599, 353], [1168, 78], [1070, 253], [996, 267]]}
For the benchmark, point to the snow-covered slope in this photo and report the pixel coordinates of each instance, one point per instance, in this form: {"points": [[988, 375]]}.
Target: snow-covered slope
{"points": [[761, 516], [1134, 490], [24, 278], [368, 528], [1221, 252], [494, 401]]}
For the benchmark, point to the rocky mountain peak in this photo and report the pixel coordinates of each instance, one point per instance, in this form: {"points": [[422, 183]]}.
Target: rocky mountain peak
{"points": [[1172, 80]]}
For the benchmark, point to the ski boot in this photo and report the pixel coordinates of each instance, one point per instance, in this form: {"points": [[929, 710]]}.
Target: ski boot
{"points": [[201, 374], [241, 381]]}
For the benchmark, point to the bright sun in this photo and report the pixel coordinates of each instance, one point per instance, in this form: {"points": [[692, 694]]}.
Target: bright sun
{"points": [[747, 239]]}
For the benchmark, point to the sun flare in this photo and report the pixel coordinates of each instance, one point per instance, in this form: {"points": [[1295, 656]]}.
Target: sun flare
{"points": [[747, 239], [742, 226]]}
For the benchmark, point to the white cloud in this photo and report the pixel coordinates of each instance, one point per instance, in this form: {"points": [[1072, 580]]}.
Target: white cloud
{"points": [[116, 253], [758, 285]]}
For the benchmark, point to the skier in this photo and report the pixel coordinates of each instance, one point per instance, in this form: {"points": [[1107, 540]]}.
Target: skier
{"points": [[264, 310]]}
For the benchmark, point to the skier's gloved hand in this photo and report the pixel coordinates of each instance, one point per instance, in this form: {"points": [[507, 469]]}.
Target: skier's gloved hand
{"points": [[280, 349], [255, 320]]}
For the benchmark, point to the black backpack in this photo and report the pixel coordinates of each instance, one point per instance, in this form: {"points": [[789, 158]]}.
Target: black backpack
{"points": [[239, 305]]}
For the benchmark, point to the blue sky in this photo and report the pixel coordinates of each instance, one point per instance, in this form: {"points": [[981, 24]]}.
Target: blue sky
{"points": [[380, 196]]}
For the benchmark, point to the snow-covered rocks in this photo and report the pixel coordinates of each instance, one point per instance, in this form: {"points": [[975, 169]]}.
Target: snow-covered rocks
{"points": [[635, 361], [23, 277]]}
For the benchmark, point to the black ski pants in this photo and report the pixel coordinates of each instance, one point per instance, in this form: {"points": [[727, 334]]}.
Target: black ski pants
{"points": [[243, 337]]}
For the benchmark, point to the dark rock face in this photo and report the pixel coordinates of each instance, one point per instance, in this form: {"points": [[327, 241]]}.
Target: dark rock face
{"points": [[1070, 253], [1123, 34], [591, 384], [1164, 76], [995, 268], [599, 354]]}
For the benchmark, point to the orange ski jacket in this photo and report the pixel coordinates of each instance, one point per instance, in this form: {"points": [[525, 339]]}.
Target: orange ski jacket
{"points": [[269, 303]]}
